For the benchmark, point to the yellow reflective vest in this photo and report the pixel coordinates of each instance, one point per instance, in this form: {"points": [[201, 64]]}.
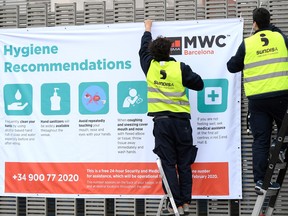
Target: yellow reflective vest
{"points": [[265, 63], [165, 89]]}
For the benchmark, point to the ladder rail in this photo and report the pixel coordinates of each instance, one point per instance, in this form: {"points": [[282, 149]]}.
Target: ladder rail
{"points": [[168, 190], [275, 154], [270, 170], [273, 199], [259, 202]]}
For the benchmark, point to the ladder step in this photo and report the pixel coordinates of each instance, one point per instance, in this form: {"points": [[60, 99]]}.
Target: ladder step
{"points": [[281, 165], [269, 192]]}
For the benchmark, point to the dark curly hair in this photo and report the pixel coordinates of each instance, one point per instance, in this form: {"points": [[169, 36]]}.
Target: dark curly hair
{"points": [[262, 17], [160, 48]]}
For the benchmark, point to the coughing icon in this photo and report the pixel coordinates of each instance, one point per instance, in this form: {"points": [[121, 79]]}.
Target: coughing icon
{"points": [[132, 98]]}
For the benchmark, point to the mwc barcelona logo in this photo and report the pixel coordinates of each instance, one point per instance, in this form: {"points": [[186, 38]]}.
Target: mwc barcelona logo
{"points": [[176, 47], [197, 45]]}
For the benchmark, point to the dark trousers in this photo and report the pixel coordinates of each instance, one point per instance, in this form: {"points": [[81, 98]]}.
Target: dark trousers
{"points": [[263, 113], [174, 146]]}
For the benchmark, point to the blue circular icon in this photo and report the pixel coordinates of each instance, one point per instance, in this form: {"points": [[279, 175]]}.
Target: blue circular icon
{"points": [[94, 98]]}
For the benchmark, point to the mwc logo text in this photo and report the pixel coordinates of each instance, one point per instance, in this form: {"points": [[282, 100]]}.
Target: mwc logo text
{"points": [[205, 42]]}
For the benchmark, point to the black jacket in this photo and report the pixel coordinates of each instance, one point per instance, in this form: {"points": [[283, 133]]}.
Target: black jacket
{"points": [[236, 64], [190, 79]]}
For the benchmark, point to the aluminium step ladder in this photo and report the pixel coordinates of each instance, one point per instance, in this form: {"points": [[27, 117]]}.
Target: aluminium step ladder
{"points": [[169, 193], [264, 193]]}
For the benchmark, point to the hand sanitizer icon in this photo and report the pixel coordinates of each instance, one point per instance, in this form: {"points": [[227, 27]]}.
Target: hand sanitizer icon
{"points": [[55, 100]]}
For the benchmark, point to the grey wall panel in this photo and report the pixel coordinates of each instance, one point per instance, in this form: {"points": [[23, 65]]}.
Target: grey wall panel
{"points": [[218, 208], [139, 15], [185, 10], [65, 14], [124, 207], [216, 9], [278, 10], [94, 12], [155, 10], [244, 9], [95, 207], [36, 206], [151, 206], [124, 11], [9, 16], [37, 15], [8, 206], [65, 207], [32, 13]]}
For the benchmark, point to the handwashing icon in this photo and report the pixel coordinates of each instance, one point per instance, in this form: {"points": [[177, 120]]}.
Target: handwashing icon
{"points": [[17, 105]]}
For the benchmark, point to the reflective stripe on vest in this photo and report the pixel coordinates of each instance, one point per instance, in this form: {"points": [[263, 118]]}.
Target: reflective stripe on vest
{"points": [[165, 89], [265, 63]]}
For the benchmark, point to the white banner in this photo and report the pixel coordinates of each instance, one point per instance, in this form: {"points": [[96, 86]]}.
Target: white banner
{"points": [[74, 110]]}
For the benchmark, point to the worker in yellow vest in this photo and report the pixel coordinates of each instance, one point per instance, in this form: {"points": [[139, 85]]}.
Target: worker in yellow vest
{"points": [[169, 106], [263, 58]]}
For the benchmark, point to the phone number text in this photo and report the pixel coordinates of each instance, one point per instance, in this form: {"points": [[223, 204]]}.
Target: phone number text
{"points": [[50, 177]]}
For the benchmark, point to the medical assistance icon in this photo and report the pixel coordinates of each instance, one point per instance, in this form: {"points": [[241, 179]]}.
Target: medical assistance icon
{"points": [[93, 98], [213, 98], [18, 99]]}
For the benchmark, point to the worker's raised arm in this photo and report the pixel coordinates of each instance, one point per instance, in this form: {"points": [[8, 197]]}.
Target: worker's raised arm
{"points": [[148, 25]]}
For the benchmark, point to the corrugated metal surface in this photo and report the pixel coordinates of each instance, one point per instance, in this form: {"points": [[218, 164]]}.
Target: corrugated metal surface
{"points": [[8, 206], [185, 10], [155, 10], [216, 9], [9, 16], [65, 207], [124, 11], [65, 14], [30, 13], [244, 9], [36, 206], [279, 10], [151, 206], [94, 12], [124, 207], [37, 15], [218, 207], [95, 207]]}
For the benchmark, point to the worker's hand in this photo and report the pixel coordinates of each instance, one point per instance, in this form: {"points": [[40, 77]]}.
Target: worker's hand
{"points": [[148, 25]]}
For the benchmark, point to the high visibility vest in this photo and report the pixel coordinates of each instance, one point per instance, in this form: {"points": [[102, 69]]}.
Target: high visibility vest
{"points": [[165, 89], [265, 63]]}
